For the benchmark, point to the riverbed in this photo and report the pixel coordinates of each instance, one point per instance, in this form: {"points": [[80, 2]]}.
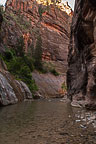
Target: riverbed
{"points": [[47, 122]]}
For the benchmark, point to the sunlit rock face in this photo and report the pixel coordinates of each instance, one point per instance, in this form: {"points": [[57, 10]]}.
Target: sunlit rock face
{"points": [[63, 6], [28, 18], [81, 74]]}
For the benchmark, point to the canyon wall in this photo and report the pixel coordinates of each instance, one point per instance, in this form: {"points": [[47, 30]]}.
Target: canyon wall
{"points": [[11, 90], [28, 18], [81, 74]]}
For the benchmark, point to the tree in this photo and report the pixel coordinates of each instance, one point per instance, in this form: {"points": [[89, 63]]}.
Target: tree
{"points": [[38, 54], [1, 17], [31, 51], [20, 47]]}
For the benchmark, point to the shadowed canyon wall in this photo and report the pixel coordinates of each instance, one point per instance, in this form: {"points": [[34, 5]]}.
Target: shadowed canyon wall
{"points": [[81, 74]]}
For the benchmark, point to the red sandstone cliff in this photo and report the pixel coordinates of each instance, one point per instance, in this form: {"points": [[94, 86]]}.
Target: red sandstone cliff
{"points": [[24, 18], [29, 19]]}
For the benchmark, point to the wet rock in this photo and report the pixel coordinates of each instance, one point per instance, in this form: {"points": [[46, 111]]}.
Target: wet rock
{"points": [[11, 90], [75, 104], [78, 120], [86, 119], [81, 74], [7, 95], [25, 90], [83, 126], [37, 95]]}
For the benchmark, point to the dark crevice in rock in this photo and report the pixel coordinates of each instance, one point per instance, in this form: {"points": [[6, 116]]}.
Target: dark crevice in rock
{"points": [[81, 78]]}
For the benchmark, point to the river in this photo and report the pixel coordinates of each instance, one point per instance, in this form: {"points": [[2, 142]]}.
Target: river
{"points": [[46, 122]]}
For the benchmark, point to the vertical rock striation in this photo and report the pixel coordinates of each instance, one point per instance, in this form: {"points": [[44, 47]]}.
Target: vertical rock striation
{"points": [[11, 90], [81, 74], [29, 18]]}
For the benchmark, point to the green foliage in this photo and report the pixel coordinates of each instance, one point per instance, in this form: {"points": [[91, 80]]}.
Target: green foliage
{"points": [[41, 11], [54, 72], [2, 9], [26, 76], [31, 50], [49, 67], [21, 21], [38, 54], [14, 65], [20, 65], [8, 55], [64, 86], [29, 62], [19, 48]]}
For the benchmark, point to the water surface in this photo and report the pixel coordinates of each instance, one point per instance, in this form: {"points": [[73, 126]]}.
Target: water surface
{"points": [[46, 122]]}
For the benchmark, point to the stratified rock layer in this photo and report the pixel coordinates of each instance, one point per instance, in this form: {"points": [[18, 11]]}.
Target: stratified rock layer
{"points": [[30, 19], [81, 75], [50, 86]]}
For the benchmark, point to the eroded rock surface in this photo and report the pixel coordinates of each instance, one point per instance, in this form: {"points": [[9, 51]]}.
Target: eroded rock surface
{"points": [[11, 90], [81, 75], [50, 86], [7, 95], [30, 19]]}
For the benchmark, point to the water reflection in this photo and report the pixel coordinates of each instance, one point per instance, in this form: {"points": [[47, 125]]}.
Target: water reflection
{"points": [[46, 122]]}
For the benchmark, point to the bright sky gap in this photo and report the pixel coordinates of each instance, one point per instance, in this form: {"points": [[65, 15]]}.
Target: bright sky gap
{"points": [[71, 2]]}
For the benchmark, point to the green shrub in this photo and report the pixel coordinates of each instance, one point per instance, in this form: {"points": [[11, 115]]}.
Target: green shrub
{"points": [[8, 55], [44, 70], [31, 50], [19, 48], [30, 62], [54, 72], [14, 65], [41, 11], [64, 86], [20, 65], [25, 72], [2, 9], [22, 71]]}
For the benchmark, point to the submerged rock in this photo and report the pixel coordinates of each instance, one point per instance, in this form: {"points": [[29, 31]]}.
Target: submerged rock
{"points": [[81, 74]]}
